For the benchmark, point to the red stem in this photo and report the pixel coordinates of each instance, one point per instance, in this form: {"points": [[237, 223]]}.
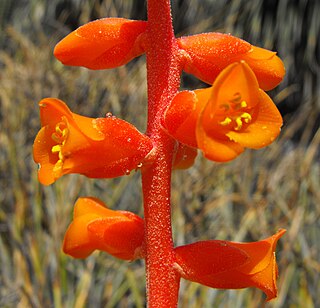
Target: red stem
{"points": [[163, 73]]}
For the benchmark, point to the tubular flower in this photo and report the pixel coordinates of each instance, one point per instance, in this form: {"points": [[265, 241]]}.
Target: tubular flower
{"points": [[119, 233], [223, 120], [208, 54], [231, 265], [103, 43], [98, 148]]}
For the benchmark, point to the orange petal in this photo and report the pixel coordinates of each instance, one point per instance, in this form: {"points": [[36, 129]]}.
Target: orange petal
{"points": [[266, 65], [218, 150], [205, 258], [181, 116], [52, 110], [209, 53], [43, 155], [77, 241], [264, 130], [103, 43], [122, 238], [87, 205], [236, 79]]}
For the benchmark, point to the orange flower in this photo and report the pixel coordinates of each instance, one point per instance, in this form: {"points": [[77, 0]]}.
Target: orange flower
{"points": [[103, 43], [208, 54], [231, 265], [98, 148], [223, 120], [94, 226]]}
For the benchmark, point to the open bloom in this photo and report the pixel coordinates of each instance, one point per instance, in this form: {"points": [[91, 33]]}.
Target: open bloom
{"points": [[98, 148], [119, 233], [231, 265], [207, 54], [224, 119]]}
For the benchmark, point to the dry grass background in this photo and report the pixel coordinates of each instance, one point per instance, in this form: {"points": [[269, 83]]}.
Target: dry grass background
{"points": [[245, 200]]}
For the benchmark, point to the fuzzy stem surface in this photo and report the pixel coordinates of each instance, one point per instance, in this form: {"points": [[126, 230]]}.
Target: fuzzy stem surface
{"points": [[163, 75]]}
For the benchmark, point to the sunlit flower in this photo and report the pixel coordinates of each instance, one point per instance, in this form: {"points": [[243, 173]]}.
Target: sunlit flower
{"points": [[119, 233], [223, 120], [207, 54], [103, 43], [98, 148], [231, 265]]}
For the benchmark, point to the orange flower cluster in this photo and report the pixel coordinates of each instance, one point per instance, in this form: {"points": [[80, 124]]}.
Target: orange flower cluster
{"points": [[222, 120]]}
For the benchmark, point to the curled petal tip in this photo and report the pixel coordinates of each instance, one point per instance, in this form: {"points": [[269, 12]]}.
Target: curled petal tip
{"points": [[267, 66], [231, 265]]}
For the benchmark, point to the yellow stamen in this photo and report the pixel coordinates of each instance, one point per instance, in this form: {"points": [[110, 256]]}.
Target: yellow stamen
{"points": [[243, 104], [226, 121], [56, 148], [239, 123], [59, 136], [64, 133], [246, 116]]}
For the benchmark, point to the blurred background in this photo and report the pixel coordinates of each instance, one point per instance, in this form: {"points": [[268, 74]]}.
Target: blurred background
{"points": [[245, 200]]}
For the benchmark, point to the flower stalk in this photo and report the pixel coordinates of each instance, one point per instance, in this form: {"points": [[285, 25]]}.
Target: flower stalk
{"points": [[163, 73]]}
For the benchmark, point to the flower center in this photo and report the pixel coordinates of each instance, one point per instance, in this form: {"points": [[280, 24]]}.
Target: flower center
{"points": [[59, 136], [234, 114]]}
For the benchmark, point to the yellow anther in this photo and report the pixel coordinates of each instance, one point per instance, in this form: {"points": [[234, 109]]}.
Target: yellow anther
{"points": [[243, 104], [56, 148], [226, 121], [239, 123], [246, 117], [65, 133]]}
